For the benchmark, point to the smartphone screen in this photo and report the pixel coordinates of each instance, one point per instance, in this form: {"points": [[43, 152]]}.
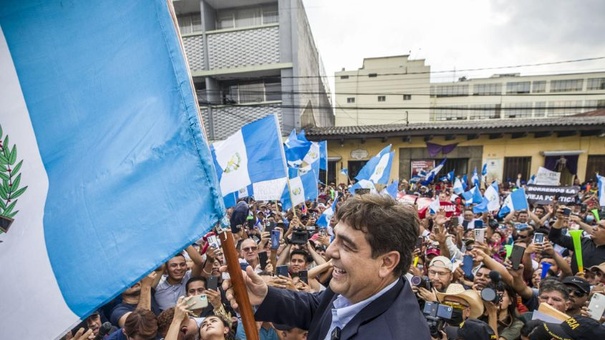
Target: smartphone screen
{"points": [[304, 276], [516, 256], [282, 271], [274, 239], [480, 235], [479, 224], [467, 265], [538, 238], [212, 283], [418, 242], [262, 257]]}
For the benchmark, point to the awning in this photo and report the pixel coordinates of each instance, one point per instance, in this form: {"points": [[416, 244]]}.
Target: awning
{"points": [[562, 153], [334, 158]]}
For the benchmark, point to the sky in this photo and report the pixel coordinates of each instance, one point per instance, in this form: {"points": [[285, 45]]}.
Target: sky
{"points": [[462, 35]]}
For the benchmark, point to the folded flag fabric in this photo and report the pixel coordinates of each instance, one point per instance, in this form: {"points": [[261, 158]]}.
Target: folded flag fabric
{"points": [[324, 220], [392, 189], [378, 169], [253, 160], [100, 116], [296, 148], [323, 155]]}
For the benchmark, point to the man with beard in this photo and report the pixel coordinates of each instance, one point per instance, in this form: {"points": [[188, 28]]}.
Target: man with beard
{"points": [[136, 297], [579, 290]]}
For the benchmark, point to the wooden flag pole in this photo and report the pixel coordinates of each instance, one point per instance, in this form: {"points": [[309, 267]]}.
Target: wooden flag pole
{"points": [[239, 286]]}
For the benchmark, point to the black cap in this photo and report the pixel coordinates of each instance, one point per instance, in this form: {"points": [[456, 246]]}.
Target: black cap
{"points": [[475, 329], [578, 282], [576, 328]]}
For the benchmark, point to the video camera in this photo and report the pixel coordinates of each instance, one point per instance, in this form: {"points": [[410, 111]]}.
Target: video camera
{"points": [[421, 281], [300, 235], [436, 316], [490, 292]]}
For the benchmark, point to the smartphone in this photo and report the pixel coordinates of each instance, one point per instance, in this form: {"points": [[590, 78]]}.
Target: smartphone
{"points": [[197, 302], [282, 271], [214, 242], [270, 226], [467, 266], [478, 224], [596, 307], [262, 257], [538, 238], [212, 283], [516, 256], [583, 208], [274, 239], [479, 235], [244, 265], [304, 276], [419, 242], [566, 212]]}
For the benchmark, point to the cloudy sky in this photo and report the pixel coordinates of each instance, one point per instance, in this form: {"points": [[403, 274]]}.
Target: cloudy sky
{"points": [[462, 34]]}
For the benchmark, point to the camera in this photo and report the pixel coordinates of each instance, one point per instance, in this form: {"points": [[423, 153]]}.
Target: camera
{"points": [[436, 316], [491, 293], [299, 236], [421, 281]]}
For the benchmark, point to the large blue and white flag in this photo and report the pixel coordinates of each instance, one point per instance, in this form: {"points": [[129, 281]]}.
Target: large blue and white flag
{"points": [[252, 158], [104, 133], [324, 220], [323, 155], [601, 188], [302, 187], [296, 148], [312, 160], [430, 176], [492, 194], [464, 181], [516, 200], [458, 188], [378, 169]]}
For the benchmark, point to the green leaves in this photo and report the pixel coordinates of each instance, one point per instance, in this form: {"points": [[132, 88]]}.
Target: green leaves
{"points": [[10, 177]]}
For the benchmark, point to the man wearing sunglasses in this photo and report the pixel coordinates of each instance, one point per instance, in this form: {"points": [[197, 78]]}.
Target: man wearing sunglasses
{"points": [[579, 290]]}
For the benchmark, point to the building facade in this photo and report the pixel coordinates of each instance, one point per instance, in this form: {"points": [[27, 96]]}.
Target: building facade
{"points": [[392, 90], [250, 58]]}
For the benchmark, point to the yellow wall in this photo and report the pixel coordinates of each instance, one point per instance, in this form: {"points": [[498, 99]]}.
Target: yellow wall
{"points": [[492, 149]]}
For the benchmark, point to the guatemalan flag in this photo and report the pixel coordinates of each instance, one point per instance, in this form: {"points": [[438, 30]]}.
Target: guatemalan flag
{"points": [[296, 148], [516, 200], [99, 107], [253, 160], [378, 169]]}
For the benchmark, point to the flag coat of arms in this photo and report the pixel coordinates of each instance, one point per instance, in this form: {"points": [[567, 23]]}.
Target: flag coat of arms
{"points": [[101, 121]]}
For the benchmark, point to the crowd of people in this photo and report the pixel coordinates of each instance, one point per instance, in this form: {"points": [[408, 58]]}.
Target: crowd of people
{"points": [[379, 270]]}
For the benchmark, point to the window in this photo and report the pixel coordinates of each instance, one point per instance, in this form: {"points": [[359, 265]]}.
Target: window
{"points": [[514, 166], [595, 104], [373, 75], [596, 163], [538, 86], [351, 100], [567, 85], [518, 110], [487, 89], [449, 113], [486, 111], [564, 107], [449, 90], [518, 87], [596, 84], [344, 77], [407, 97], [382, 98], [251, 92], [540, 109], [247, 17], [190, 23]]}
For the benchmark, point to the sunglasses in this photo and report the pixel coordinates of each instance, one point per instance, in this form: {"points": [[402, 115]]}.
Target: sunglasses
{"points": [[248, 249], [575, 292]]}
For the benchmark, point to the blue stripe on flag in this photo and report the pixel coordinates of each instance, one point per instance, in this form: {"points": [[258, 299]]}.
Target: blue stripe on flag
{"points": [[130, 175]]}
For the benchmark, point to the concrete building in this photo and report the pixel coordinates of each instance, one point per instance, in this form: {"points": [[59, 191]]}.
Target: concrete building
{"points": [[393, 90], [250, 58]]}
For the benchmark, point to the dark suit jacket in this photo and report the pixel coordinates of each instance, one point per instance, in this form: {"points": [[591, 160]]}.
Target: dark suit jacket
{"points": [[394, 315]]}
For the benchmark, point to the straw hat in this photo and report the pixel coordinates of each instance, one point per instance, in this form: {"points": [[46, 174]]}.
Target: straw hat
{"points": [[470, 296]]}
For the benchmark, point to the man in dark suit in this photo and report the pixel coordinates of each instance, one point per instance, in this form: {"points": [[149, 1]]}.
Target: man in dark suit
{"points": [[367, 296]]}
